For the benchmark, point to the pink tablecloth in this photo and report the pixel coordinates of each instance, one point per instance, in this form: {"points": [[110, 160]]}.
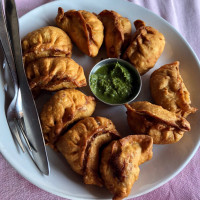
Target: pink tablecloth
{"points": [[184, 15]]}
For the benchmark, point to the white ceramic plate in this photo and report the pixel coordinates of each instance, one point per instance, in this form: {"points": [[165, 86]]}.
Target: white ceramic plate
{"points": [[168, 160]]}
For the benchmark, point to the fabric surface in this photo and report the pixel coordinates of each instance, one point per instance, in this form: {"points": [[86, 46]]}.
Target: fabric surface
{"points": [[184, 15]]}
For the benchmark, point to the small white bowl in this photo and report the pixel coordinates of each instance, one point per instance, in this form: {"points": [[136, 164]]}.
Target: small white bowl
{"points": [[137, 78]]}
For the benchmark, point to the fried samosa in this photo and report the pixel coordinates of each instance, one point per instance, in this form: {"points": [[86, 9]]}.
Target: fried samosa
{"points": [[146, 47], [120, 162], [117, 30], [55, 73], [63, 108], [81, 146], [164, 126], [84, 28], [46, 42], [169, 91]]}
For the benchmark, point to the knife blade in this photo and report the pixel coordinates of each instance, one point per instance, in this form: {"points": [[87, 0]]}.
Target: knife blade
{"points": [[31, 118]]}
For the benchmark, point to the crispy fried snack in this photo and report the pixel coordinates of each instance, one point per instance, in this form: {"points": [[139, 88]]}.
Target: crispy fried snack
{"points": [[120, 163], [82, 143], [55, 73], [117, 31], [64, 107], [45, 42], [169, 91], [146, 47], [84, 28], [164, 126]]}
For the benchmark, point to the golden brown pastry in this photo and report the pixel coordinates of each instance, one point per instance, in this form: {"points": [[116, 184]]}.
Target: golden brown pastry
{"points": [[84, 28], [164, 126], [82, 143], [120, 163], [55, 73], [169, 91], [117, 30], [63, 108], [46, 42], [146, 47]]}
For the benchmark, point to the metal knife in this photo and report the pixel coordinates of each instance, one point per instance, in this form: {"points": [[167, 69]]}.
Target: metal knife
{"points": [[31, 118]]}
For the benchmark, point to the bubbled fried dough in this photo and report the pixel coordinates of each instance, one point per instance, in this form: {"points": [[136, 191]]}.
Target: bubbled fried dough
{"points": [[168, 90], [84, 28], [117, 30], [120, 162], [146, 47], [63, 108], [82, 143], [46, 42], [164, 126], [55, 73]]}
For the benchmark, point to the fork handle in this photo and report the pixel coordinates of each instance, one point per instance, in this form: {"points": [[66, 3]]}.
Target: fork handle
{"points": [[7, 48]]}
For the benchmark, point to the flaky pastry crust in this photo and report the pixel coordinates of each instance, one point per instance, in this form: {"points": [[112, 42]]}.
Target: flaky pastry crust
{"points": [[55, 73], [164, 126], [84, 28], [63, 108], [81, 146], [146, 47], [46, 42], [117, 30], [120, 163], [168, 90]]}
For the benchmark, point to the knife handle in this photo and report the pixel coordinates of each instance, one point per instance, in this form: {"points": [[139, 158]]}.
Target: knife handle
{"points": [[7, 49], [13, 29]]}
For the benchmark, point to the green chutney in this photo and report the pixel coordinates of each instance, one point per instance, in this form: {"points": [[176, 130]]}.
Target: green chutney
{"points": [[113, 83]]}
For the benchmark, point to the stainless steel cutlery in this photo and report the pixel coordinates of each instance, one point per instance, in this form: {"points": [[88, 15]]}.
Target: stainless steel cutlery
{"points": [[22, 122]]}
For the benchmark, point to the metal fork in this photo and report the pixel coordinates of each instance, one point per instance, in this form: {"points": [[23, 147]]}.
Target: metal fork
{"points": [[13, 113], [19, 122]]}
